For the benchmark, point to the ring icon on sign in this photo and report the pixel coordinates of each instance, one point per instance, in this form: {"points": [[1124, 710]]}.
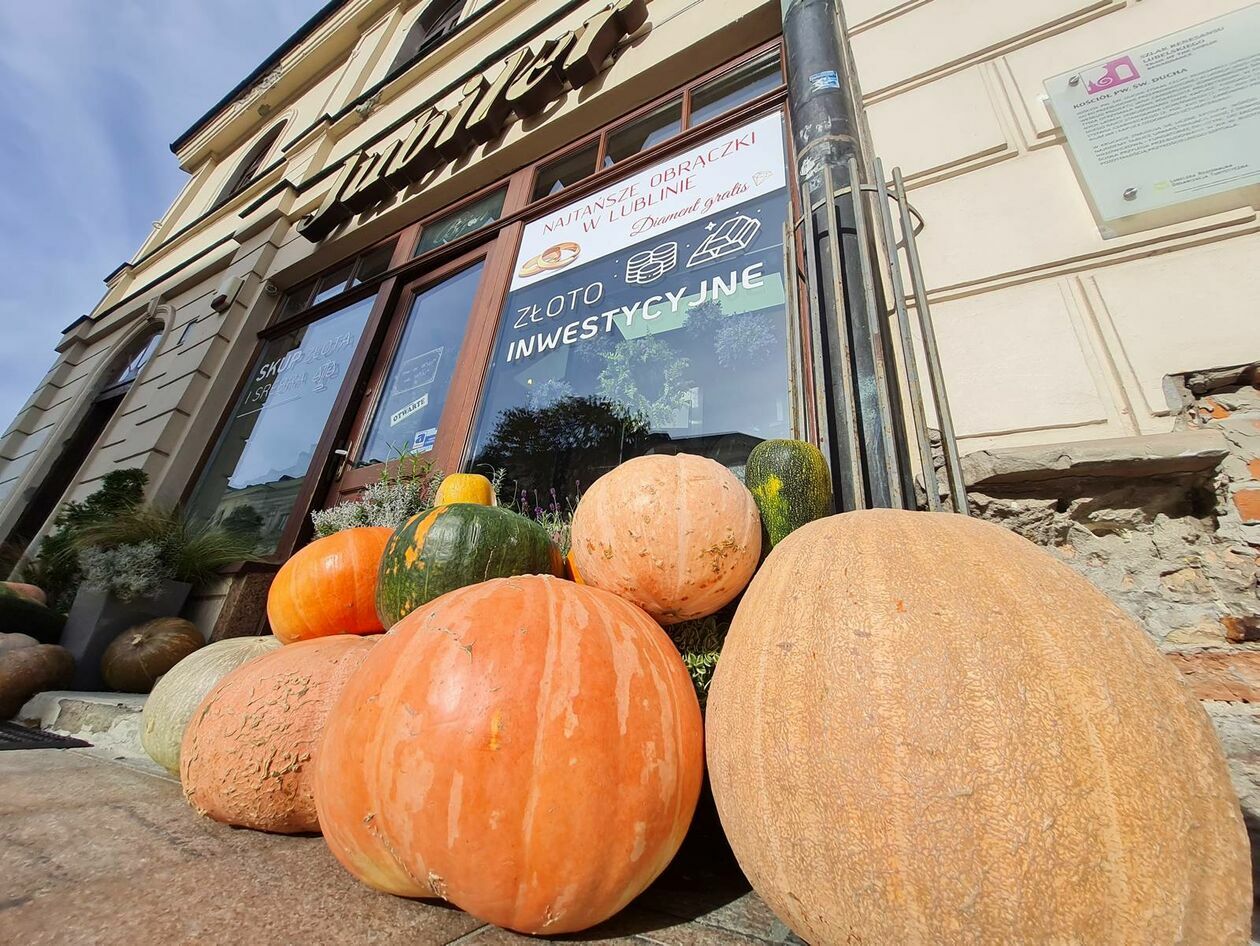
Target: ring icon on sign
{"points": [[552, 258]]}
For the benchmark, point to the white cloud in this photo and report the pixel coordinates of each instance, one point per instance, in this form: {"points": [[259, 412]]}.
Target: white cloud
{"points": [[92, 92]]}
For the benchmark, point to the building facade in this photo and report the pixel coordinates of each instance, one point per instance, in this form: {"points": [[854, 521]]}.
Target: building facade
{"points": [[481, 232]]}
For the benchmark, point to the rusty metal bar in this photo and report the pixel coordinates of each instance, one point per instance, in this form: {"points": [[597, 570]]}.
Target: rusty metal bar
{"points": [[907, 340], [883, 400], [796, 394], [808, 239], [949, 443], [854, 485]]}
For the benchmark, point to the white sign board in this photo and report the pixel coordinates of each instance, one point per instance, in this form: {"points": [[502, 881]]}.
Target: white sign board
{"points": [[733, 168], [1167, 123]]}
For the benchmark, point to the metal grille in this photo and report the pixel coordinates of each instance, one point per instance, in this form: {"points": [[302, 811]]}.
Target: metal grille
{"points": [[13, 736], [876, 222]]}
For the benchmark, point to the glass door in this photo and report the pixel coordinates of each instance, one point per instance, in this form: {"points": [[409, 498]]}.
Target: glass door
{"points": [[414, 406]]}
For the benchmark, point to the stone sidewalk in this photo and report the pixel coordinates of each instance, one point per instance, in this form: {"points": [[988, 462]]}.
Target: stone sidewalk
{"points": [[96, 852]]}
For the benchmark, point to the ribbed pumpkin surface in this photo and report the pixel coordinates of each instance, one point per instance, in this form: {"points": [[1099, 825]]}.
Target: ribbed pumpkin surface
{"points": [[677, 535], [135, 659], [457, 545], [329, 587], [180, 691], [527, 748], [248, 753], [924, 730]]}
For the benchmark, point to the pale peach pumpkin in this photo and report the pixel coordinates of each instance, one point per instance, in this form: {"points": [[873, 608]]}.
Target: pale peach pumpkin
{"points": [[329, 587], [527, 748], [677, 535], [248, 754], [925, 731]]}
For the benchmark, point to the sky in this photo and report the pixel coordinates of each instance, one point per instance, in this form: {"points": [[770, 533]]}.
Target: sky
{"points": [[92, 93]]}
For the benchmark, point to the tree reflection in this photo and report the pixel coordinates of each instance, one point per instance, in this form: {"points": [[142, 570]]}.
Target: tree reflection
{"points": [[548, 445]]}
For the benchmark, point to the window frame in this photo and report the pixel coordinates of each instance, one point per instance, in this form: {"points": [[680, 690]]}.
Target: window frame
{"points": [[250, 166]]}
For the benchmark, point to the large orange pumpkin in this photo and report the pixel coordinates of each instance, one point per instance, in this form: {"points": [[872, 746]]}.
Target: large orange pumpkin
{"points": [[677, 535], [329, 587], [248, 753], [924, 730], [527, 748]]}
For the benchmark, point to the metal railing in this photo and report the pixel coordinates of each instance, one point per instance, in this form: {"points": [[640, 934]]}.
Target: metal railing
{"points": [[875, 223]]}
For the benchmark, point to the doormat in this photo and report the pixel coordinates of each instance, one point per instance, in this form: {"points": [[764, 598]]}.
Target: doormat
{"points": [[13, 736]]}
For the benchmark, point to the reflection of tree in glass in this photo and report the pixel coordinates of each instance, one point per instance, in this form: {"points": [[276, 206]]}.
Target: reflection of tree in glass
{"points": [[737, 340], [538, 447], [547, 393], [648, 377], [244, 520]]}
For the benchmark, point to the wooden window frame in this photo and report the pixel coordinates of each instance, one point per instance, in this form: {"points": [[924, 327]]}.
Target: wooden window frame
{"points": [[497, 243]]}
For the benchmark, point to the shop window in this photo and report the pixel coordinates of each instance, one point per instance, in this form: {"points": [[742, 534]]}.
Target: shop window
{"points": [[264, 453], [250, 165], [466, 220], [665, 331], [645, 132], [415, 387], [566, 171], [740, 85], [437, 21]]}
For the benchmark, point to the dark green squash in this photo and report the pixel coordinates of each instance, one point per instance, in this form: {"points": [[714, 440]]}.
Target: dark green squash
{"points": [[791, 485], [20, 615], [456, 545]]}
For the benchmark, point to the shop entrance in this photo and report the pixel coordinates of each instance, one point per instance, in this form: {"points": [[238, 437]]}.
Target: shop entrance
{"points": [[423, 386]]}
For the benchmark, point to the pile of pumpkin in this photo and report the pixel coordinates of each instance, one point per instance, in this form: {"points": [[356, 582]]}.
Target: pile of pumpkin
{"points": [[922, 729]]}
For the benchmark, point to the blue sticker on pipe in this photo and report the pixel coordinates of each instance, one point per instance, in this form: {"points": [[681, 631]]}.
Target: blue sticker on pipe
{"points": [[824, 80]]}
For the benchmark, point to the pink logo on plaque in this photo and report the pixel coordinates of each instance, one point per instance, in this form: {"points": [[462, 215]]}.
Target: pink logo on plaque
{"points": [[1110, 75]]}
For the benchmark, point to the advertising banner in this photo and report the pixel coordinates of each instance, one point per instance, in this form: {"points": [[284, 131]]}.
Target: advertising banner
{"points": [[657, 301]]}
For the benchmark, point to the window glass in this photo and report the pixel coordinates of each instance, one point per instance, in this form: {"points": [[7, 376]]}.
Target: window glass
{"points": [[297, 299], [462, 222], [264, 452], [142, 351], [436, 21], [736, 87], [664, 332], [558, 175], [373, 263], [333, 283], [642, 133], [414, 391]]}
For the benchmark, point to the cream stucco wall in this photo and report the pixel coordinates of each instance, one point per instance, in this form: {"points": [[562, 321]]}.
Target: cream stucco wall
{"points": [[1048, 332]]}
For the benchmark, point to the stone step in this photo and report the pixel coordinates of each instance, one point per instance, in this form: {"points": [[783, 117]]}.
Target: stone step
{"points": [[109, 721]]}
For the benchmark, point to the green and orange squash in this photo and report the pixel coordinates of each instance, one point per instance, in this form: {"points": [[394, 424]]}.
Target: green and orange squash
{"points": [[791, 485], [456, 545]]}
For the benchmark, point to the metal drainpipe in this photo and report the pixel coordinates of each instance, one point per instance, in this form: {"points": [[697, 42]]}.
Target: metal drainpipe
{"points": [[875, 470]]}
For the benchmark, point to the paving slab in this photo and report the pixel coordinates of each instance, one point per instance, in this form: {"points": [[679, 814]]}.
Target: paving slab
{"points": [[102, 854]]}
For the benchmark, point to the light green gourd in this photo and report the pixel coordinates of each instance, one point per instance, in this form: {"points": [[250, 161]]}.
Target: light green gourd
{"points": [[180, 691]]}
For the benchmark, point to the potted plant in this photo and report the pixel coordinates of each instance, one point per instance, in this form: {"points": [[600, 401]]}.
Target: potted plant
{"points": [[139, 565]]}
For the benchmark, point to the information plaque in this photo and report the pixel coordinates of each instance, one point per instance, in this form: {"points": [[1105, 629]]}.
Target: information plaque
{"points": [[1173, 123]]}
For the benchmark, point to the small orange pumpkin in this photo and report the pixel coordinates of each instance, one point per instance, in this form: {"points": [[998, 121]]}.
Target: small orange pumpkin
{"points": [[527, 748], [329, 587], [248, 753], [677, 535]]}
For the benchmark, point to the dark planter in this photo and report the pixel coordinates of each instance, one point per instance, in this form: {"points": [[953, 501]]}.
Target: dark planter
{"points": [[97, 617]]}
